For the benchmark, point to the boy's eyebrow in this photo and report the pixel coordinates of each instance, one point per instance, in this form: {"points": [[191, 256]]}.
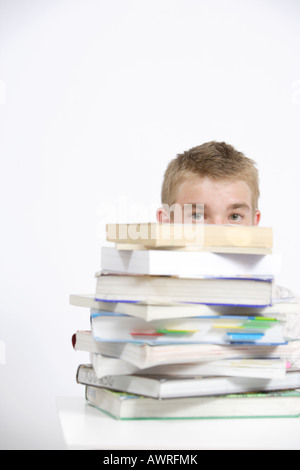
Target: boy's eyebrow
{"points": [[194, 205], [238, 205]]}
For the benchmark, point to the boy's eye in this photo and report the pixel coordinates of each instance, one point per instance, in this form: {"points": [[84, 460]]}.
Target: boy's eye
{"points": [[236, 217], [197, 216]]}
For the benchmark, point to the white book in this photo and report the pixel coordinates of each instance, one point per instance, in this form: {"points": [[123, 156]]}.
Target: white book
{"points": [[174, 387], [280, 308], [187, 263], [247, 291], [144, 355], [104, 367]]}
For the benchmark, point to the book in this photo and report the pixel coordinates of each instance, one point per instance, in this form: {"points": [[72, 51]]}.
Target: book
{"points": [[188, 264], [259, 368], [113, 327], [145, 356], [255, 292], [162, 387], [255, 405], [281, 308], [217, 238]]}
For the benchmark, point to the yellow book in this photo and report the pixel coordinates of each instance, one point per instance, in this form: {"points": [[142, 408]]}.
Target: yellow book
{"points": [[202, 237]]}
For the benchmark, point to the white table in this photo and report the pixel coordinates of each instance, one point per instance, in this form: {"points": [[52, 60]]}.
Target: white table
{"points": [[85, 427]]}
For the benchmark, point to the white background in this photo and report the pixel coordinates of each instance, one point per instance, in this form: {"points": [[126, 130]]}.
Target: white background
{"points": [[96, 97]]}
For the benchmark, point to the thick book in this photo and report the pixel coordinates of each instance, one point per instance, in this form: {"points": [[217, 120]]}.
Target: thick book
{"points": [[162, 387], [187, 263], [272, 368], [107, 326], [120, 405], [216, 238], [283, 307], [144, 355], [246, 291]]}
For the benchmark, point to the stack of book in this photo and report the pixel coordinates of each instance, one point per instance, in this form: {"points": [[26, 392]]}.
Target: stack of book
{"points": [[187, 322]]}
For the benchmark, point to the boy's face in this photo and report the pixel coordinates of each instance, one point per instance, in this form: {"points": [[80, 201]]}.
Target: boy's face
{"points": [[225, 202]]}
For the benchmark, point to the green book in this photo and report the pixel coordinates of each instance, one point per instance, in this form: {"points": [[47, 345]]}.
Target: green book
{"points": [[255, 405]]}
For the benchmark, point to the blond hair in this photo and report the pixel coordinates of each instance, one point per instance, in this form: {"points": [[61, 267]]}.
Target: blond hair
{"points": [[216, 160]]}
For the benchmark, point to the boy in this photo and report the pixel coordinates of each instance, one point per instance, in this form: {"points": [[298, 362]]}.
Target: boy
{"points": [[218, 183]]}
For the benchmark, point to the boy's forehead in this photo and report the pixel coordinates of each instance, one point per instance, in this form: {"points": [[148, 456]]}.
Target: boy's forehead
{"points": [[206, 190]]}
